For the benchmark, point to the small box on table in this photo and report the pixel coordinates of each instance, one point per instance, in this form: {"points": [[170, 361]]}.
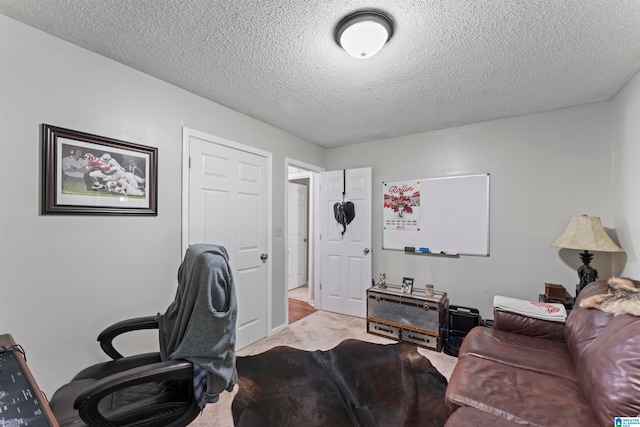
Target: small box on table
{"points": [[554, 292]]}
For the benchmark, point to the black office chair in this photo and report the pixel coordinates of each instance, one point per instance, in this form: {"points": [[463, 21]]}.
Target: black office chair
{"points": [[157, 389], [139, 387]]}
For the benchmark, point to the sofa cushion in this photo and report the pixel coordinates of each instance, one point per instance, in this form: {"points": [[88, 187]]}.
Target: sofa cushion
{"points": [[520, 351], [519, 395], [465, 417], [609, 370], [584, 325]]}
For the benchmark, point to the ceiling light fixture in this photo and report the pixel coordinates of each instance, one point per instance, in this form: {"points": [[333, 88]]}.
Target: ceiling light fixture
{"points": [[363, 33]]}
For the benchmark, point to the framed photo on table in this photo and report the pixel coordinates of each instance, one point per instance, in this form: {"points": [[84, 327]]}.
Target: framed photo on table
{"points": [[407, 285], [84, 174]]}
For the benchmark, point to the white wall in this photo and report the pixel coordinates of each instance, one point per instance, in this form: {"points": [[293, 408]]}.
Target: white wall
{"points": [[626, 173], [544, 169], [64, 278]]}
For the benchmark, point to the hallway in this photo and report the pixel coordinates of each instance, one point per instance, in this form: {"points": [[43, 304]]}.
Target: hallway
{"points": [[299, 304]]}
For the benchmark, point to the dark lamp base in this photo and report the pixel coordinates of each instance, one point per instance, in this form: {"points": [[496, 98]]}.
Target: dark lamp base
{"points": [[586, 273]]}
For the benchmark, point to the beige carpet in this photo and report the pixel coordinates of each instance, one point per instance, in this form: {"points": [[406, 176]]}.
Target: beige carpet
{"points": [[319, 331]]}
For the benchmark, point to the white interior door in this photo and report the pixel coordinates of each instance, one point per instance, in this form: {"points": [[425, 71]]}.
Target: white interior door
{"points": [[228, 205], [297, 234], [346, 259]]}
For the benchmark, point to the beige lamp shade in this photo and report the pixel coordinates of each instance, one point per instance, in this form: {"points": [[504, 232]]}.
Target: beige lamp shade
{"points": [[586, 233]]}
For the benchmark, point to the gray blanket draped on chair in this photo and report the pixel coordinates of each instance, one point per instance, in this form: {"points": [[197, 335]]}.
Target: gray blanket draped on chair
{"points": [[205, 301]]}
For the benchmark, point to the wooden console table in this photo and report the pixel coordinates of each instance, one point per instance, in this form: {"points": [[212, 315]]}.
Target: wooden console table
{"points": [[414, 317], [22, 403]]}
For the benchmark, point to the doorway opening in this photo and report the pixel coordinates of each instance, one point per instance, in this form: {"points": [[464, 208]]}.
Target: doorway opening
{"points": [[302, 261]]}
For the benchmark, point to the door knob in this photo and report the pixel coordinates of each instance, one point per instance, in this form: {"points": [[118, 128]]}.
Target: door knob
{"points": [[366, 251], [264, 257]]}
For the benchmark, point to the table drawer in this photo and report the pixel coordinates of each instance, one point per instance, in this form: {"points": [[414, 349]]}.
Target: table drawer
{"points": [[421, 339], [383, 330]]}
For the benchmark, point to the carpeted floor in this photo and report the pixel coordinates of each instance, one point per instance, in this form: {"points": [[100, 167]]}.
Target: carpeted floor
{"points": [[319, 331]]}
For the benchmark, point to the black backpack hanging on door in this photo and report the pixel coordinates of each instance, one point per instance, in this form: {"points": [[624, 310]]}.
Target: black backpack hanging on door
{"points": [[344, 212]]}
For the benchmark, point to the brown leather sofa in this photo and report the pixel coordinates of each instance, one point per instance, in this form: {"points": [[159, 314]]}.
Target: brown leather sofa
{"points": [[524, 371]]}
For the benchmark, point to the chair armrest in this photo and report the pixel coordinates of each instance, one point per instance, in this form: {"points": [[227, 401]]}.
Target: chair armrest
{"points": [[87, 401], [523, 325], [103, 370], [106, 336]]}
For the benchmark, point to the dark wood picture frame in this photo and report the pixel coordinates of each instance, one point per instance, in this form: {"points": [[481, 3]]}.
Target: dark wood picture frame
{"points": [[85, 174]]}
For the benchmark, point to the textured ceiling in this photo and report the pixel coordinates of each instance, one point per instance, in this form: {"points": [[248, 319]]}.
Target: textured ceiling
{"points": [[449, 63]]}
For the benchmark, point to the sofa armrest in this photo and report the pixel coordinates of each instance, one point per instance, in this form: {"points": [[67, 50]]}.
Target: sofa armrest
{"points": [[519, 324]]}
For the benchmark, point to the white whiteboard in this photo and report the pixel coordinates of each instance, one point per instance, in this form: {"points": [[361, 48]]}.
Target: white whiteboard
{"points": [[451, 215]]}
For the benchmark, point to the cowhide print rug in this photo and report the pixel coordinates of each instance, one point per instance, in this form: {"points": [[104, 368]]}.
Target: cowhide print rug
{"points": [[356, 383]]}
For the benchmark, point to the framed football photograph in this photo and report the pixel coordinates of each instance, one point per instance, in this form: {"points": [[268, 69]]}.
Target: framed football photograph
{"points": [[88, 174]]}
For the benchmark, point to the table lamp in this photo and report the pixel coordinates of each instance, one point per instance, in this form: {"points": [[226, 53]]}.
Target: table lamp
{"points": [[587, 234]]}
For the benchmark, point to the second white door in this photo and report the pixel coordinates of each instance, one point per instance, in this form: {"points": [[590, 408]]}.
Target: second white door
{"points": [[346, 258]]}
